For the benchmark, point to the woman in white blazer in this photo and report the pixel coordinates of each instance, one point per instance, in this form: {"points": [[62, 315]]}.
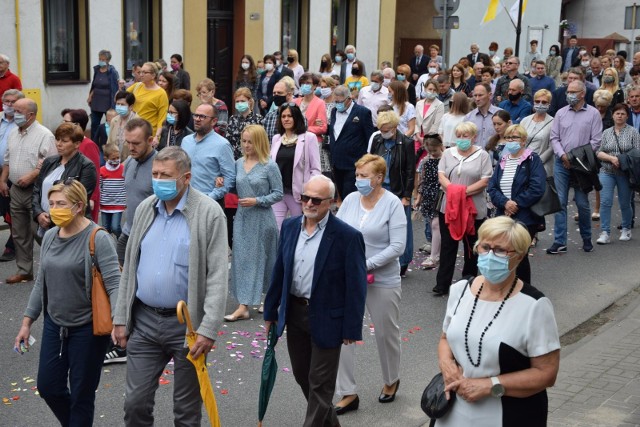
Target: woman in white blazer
{"points": [[429, 111]]}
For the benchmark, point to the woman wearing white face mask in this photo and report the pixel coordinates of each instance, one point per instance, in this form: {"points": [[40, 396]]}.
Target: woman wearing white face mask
{"points": [[429, 112], [518, 182], [379, 216], [268, 80], [538, 127], [124, 108], [247, 76]]}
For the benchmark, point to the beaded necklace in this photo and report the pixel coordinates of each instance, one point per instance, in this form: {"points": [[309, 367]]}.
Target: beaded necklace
{"points": [[473, 309]]}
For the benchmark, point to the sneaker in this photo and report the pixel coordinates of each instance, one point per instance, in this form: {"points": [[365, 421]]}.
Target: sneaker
{"points": [[425, 248], [557, 248], [604, 238], [115, 355], [625, 235], [587, 246]]}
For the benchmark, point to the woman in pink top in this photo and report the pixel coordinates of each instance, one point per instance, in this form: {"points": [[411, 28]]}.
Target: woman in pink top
{"points": [[313, 107]]}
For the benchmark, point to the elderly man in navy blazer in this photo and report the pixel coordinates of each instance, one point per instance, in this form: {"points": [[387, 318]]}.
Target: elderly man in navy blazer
{"points": [[318, 290], [349, 132]]}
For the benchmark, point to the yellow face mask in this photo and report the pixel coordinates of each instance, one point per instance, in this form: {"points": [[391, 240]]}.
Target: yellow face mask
{"points": [[61, 216]]}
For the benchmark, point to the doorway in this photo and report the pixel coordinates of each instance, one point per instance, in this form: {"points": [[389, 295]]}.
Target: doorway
{"points": [[220, 48]]}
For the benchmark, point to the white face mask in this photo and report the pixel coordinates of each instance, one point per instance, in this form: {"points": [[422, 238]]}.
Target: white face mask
{"points": [[268, 66], [245, 66]]}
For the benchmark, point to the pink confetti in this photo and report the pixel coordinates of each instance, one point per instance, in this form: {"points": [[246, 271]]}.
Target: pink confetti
{"points": [[285, 370]]}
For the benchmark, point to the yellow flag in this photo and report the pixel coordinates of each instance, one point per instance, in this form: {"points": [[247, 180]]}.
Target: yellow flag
{"points": [[513, 12], [492, 11]]}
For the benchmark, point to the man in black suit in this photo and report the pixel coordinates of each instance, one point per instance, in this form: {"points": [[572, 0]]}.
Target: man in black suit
{"points": [[477, 75], [476, 56], [281, 67], [318, 290], [559, 98], [419, 63], [570, 57], [349, 132], [595, 73]]}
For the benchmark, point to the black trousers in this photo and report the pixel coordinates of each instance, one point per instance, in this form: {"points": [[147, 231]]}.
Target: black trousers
{"points": [[315, 369], [345, 180], [449, 252]]}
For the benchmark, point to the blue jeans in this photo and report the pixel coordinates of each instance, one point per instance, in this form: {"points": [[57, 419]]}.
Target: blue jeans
{"points": [[407, 256], [112, 222], [427, 229], [79, 363], [561, 177], [96, 118], [609, 182]]}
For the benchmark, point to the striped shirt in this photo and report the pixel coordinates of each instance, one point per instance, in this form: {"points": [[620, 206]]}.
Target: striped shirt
{"points": [[112, 191], [506, 181]]}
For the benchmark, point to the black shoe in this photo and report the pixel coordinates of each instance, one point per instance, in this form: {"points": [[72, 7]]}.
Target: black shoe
{"points": [[115, 355], [353, 406], [403, 271], [8, 256], [587, 246], [437, 292], [557, 248], [387, 398]]}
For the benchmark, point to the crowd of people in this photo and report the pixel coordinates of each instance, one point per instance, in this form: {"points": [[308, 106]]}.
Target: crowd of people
{"points": [[308, 181]]}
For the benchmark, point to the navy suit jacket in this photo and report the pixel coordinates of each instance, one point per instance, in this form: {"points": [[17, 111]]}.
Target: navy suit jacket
{"points": [[353, 140], [559, 99], [339, 287], [268, 96], [419, 69]]}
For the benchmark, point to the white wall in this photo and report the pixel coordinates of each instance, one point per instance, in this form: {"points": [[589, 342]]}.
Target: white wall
{"points": [[8, 36], [319, 31], [587, 16], [367, 33], [272, 28], [172, 34], [501, 30]]}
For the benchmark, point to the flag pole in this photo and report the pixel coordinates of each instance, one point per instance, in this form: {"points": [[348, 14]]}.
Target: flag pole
{"points": [[519, 28]]}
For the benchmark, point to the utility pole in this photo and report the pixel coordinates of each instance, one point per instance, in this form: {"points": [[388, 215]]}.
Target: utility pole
{"points": [[444, 35], [519, 28]]}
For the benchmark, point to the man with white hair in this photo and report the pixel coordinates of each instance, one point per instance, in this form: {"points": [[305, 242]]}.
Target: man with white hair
{"points": [[418, 63], [389, 76], [375, 95], [8, 80], [517, 107], [345, 70], [477, 56]]}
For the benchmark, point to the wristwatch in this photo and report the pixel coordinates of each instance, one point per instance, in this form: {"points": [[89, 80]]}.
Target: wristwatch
{"points": [[497, 389]]}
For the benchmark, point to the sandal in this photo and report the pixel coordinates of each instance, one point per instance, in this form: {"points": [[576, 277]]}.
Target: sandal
{"points": [[429, 264], [534, 242], [234, 318], [595, 216]]}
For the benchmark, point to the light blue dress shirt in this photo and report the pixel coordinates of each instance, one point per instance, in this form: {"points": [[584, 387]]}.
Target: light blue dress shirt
{"points": [[305, 258], [163, 269], [211, 157], [6, 127]]}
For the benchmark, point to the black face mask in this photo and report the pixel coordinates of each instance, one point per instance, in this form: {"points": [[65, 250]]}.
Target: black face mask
{"points": [[279, 100], [290, 59], [514, 97], [356, 71], [324, 64]]}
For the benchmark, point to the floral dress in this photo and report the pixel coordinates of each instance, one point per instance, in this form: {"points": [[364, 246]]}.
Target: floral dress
{"points": [[236, 125], [429, 186], [325, 155]]}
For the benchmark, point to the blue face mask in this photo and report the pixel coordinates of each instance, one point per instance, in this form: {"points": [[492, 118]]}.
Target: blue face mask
{"points": [[493, 268], [242, 106], [318, 91], [338, 58], [122, 110], [165, 189], [102, 63], [463, 144], [350, 56], [107, 128], [20, 119], [512, 147], [364, 186], [400, 78], [340, 107], [171, 119], [305, 89]]}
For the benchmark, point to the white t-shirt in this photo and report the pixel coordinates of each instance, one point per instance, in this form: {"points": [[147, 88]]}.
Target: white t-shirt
{"points": [[447, 128]]}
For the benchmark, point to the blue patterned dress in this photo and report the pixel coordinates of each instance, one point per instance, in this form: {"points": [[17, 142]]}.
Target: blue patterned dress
{"points": [[255, 232]]}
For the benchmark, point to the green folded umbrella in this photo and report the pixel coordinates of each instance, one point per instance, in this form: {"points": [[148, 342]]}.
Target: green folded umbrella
{"points": [[269, 371]]}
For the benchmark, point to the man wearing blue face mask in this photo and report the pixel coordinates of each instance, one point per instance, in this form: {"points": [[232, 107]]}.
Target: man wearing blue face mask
{"points": [[349, 131], [177, 252], [345, 68], [375, 95]]}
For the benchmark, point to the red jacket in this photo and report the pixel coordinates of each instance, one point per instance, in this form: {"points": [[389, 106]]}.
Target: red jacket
{"points": [[90, 150], [460, 212], [9, 81]]}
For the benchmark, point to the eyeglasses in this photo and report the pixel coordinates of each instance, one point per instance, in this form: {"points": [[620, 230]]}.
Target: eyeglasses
{"points": [[512, 138], [288, 104], [316, 201], [399, 74], [484, 248], [200, 117], [201, 94], [511, 63], [67, 181], [145, 72]]}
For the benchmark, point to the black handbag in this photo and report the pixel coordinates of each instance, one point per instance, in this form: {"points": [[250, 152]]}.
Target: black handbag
{"points": [[434, 403], [550, 202]]}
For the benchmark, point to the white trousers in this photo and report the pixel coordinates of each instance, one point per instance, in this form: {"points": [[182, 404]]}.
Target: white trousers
{"points": [[383, 305]]}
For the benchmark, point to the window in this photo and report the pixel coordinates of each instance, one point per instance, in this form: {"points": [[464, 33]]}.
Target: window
{"points": [[138, 42], [290, 25], [65, 50], [343, 24]]}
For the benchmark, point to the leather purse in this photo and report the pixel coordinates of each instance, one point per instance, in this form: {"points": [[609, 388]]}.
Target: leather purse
{"points": [[434, 403], [100, 304], [550, 202]]}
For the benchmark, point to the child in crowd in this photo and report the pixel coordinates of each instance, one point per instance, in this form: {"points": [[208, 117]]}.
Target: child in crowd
{"points": [[428, 187], [112, 193], [103, 133]]}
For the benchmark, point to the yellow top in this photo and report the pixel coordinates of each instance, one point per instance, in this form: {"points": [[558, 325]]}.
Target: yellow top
{"points": [[151, 105], [356, 83]]}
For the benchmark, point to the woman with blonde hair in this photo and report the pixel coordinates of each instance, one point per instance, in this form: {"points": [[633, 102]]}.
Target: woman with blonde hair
{"points": [[259, 186], [399, 100], [151, 101], [71, 356], [611, 83], [294, 65], [403, 74], [243, 116], [379, 216]]}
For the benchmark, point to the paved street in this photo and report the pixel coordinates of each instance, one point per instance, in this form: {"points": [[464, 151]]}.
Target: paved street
{"points": [[580, 285]]}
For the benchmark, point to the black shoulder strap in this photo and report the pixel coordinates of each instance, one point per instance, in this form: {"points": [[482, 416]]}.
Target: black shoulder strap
{"points": [[468, 284]]}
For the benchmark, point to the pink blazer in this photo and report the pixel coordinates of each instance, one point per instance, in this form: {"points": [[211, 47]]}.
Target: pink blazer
{"points": [[316, 110], [306, 161]]}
